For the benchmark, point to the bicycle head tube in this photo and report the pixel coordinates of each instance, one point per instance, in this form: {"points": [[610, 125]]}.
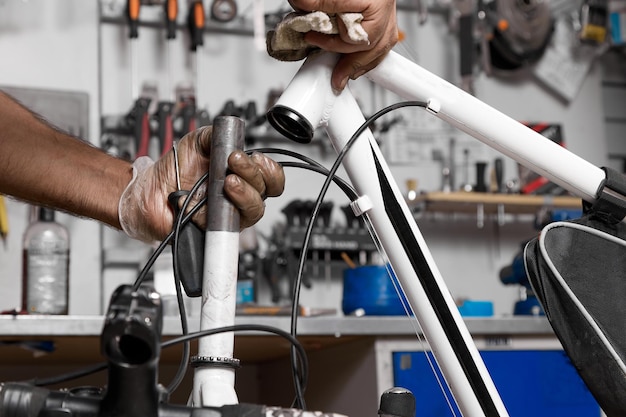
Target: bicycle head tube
{"points": [[307, 102]]}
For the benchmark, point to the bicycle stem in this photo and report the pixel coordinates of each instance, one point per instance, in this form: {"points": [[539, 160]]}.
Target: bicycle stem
{"points": [[131, 343]]}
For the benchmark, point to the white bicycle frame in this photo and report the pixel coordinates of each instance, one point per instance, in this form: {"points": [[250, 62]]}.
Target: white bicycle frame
{"points": [[309, 103]]}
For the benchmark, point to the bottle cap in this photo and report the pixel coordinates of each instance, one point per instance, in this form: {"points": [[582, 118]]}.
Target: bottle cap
{"points": [[46, 214]]}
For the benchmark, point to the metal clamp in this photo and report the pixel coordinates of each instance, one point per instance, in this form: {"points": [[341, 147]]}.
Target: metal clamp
{"points": [[197, 361]]}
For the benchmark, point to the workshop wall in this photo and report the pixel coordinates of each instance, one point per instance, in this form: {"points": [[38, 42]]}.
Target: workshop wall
{"points": [[61, 45], [52, 45]]}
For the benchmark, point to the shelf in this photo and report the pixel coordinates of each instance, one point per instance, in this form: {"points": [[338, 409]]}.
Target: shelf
{"points": [[76, 339], [492, 203], [331, 326]]}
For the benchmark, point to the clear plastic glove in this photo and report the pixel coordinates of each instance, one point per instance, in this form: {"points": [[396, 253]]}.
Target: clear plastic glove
{"points": [[379, 21], [144, 211]]}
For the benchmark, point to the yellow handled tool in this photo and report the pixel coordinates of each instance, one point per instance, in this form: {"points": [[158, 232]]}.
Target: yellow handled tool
{"points": [[4, 219]]}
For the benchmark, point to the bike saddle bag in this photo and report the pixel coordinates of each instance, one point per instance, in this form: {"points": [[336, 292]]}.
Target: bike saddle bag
{"points": [[578, 271]]}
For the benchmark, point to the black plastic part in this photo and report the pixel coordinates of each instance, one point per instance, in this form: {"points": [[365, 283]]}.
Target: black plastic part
{"points": [[466, 42], [46, 214], [397, 402], [23, 400], [131, 342], [481, 185], [290, 124], [503, 56], [190, 250], [611, 198]]}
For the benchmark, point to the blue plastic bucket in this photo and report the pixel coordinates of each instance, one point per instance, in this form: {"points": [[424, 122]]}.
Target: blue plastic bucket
{"points": [[371, 289]]}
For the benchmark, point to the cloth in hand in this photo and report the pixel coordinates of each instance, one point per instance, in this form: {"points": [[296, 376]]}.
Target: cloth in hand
{"points": [[286, 42]]}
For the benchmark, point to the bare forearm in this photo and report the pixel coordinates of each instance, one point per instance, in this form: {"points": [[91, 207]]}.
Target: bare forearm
{"points": [[41, 165]]}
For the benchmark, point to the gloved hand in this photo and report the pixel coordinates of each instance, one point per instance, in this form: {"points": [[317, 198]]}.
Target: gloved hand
{"points": [[379, 22], [144, 212]]}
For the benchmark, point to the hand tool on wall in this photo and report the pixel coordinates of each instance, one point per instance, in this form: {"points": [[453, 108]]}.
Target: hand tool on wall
{"points": [[498, 175], [186, 116], [594, 17], [188, 111], [133, 8], [4, 220], [422, 11], [138, 116], [467, 186], [484, 33], [223, 10], [195, 24], [522, 31], [467, 10], [165, 109], [165, 131], [170, 14]]}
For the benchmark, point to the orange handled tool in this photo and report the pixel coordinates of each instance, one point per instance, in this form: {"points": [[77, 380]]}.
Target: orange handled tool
{"points": [[132, 13], [171, 13], [195, 23]]}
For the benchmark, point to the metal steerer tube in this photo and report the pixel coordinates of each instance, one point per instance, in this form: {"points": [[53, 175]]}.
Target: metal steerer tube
{"points": [[214, 376]]}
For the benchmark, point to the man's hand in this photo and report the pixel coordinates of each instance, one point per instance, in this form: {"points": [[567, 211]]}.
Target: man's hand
{"points": [[379, 21], [144, 211]]}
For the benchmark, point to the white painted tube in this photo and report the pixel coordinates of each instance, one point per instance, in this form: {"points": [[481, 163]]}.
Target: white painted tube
{"points": [[307, 102], [489, 125], [214, 384], [428, 295], [431, 301]]}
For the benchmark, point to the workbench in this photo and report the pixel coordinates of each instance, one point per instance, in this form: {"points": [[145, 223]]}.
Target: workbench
{"points": [[351, 358]]}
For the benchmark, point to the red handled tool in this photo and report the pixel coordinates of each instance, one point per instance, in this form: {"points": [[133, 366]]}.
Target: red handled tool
{"points": [[192, 118], [164, 112], [132, 14], [138, 116]]}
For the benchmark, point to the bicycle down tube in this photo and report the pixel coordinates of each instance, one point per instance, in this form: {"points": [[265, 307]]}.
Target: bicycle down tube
{"points": [[309, 103]]}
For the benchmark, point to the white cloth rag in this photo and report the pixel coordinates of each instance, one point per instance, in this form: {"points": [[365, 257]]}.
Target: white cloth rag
{"points": [[286, 42]]}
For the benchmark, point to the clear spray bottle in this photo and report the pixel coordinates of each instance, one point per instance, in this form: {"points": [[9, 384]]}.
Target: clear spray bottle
{"points": [[45, 270]]}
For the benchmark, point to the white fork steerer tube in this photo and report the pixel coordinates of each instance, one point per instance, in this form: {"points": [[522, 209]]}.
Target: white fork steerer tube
{"points": [[501, 132], [214, 375], [431, 301]]}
